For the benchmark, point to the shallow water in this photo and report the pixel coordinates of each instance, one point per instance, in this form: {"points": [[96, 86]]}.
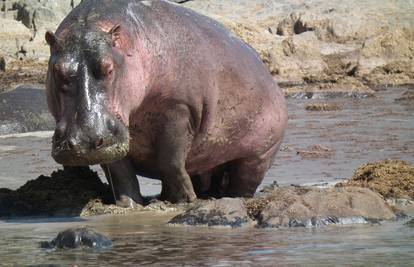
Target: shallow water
{"points": [[364, 130], [147, 240]]}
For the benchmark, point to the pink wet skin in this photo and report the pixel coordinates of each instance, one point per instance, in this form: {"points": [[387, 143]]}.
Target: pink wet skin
{"points": [[203, 113]]}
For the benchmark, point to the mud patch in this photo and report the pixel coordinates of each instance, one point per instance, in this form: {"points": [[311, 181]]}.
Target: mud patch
{"points": [[390, 178], [28, 71], [65, 193], [322, 107], [98, 207], [315, 152]]}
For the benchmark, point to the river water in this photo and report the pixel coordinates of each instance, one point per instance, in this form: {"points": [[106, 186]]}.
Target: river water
{"points": [[363, 130], [145, 239]]}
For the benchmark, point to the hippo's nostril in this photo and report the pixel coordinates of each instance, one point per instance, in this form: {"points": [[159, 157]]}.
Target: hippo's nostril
{"points": [[99, 143]]}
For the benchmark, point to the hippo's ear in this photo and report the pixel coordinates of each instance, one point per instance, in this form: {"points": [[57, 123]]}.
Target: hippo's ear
{"points": [[120, 39], [51, 38], [115, 33]]}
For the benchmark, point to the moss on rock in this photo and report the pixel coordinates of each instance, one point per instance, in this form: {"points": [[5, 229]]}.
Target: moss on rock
{"points": [[390, 178]]}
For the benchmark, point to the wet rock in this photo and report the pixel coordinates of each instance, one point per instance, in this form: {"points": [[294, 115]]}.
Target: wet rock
{"points": [[407, 99], [410, 223], [329, 87], [24, 110], [390, 178], [64, 193], [228, 212], [78, 237], [312, 207]]}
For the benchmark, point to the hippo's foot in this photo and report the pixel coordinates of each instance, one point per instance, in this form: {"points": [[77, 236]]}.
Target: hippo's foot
{"points": [[178, 196], [177, 193], [126, 202], [123, 180]]}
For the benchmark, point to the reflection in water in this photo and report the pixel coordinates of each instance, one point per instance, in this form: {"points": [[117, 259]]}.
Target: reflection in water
{"points": [[146, 240]]}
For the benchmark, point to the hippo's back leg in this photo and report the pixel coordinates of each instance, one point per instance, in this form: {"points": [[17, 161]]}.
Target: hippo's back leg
{"points": [[246, 174]]}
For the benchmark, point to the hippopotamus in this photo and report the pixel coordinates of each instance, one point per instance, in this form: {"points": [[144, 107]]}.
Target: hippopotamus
{"points": [[154, 89]]}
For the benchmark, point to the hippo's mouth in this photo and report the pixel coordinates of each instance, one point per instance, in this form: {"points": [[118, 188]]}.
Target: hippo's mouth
{"points": [[104, 155]]}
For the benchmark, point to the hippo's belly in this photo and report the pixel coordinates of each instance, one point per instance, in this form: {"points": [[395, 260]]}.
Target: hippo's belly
{"points": [[223, 142]]}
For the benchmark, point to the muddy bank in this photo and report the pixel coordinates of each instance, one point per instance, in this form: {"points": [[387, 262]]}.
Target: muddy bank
{"points": [[80, 192], [63, 193]]}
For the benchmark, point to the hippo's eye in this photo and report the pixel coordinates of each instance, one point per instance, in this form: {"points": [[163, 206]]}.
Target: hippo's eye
{"points": [[107, 67], [61, 74]]}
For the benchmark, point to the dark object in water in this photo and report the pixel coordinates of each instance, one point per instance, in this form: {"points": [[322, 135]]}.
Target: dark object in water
{"points": [[77, 237]]}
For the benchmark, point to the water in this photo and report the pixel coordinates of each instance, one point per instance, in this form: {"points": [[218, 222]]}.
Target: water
{"points": [[141, 240], [364, 130]]}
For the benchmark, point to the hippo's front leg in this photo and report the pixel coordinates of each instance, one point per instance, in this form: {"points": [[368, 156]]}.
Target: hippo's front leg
{"points": [[174, 140], [123, 180]]}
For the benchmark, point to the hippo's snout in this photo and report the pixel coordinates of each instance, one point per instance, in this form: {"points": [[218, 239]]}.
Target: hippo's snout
{"points": [[91, 143]]}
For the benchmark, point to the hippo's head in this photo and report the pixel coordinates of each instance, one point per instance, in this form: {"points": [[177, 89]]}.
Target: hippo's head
{"points": [[83, 90]]}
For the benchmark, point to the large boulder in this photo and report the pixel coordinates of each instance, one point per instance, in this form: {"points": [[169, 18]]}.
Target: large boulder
{"points": [[37, 16], [320, 41], [313, 207]]}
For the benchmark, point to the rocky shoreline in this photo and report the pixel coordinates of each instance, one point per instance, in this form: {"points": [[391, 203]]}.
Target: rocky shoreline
{"points": [[79, 192]]}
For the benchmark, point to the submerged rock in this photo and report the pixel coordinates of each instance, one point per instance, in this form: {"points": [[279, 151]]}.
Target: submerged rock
{"points": [[230, 212], [78, 237], [322, 107], [313, 207], [410, 223], [291, 206]]}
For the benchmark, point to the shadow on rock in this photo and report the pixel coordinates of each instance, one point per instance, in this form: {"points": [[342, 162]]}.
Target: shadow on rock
{"points": [[65, 193]]}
